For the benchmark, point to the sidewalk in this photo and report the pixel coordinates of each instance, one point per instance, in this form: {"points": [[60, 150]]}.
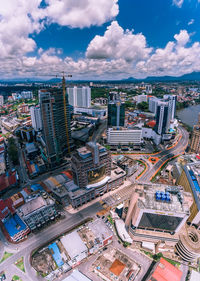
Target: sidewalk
{"points": [[71, 210]]}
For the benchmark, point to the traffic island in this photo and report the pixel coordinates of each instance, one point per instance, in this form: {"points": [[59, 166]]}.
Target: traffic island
{"points": [[16, 278], [153, 160], [142, 163], [20, 264], [6, 255]]}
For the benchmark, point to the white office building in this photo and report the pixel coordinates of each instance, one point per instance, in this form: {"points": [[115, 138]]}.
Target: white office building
{"points": [[124, 136], [141, 98], [148, 89], [27, 95], [1, 100], [171, 99], [79, 97], [36, 118], [162, 118], [153, 103]]}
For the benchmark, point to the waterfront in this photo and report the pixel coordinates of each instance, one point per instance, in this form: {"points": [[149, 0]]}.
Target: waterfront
{"points": [[189, 115]]}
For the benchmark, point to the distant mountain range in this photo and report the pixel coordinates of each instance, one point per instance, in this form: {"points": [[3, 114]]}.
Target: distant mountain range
{"points": [[194, 76]]}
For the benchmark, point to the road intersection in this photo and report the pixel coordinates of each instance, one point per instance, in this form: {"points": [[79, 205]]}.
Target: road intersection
{"points": [[34, 241]]}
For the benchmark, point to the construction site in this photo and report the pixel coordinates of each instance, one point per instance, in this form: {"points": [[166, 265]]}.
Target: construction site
{"points": [[115, 265]]}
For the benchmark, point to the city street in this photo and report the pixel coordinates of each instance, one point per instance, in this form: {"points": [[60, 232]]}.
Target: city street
{"points": [[178, 149], [34, 241]]}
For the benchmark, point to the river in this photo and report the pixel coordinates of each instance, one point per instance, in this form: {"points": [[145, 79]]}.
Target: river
{"points": [[189, 115]]}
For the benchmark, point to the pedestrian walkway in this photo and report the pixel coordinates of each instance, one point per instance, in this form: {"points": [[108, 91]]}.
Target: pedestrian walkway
{"points": [[119, 196]]}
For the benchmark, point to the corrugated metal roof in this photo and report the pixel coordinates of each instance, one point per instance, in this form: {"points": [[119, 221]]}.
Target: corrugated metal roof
{"points": [[165, 271], [77, 276], [73, 244]]}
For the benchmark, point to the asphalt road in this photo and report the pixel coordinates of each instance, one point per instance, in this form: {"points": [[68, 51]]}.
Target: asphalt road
{"points": [[97, 134], [167, 154], [36, 240]]}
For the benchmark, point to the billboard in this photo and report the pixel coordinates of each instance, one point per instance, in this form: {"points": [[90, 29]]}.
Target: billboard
{"points": [[96, 175]]}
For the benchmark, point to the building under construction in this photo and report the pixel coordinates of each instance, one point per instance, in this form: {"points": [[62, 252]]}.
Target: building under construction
{"points": [[56, 132]]}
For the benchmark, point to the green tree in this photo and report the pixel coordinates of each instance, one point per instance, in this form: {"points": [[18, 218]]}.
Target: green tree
{"points": [[12, 151], [99, 93], [129, 104], [143, 106]]}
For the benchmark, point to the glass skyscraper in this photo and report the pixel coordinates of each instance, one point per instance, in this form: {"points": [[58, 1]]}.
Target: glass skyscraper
{"points": [[116, 111], [56, 131]]}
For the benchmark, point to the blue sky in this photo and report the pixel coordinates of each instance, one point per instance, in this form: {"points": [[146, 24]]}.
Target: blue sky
{"points": [[109, 39], [158, 20]]}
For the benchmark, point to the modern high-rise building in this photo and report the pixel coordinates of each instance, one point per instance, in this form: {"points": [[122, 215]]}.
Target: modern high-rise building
{"points": [[56, 131], [148, 89], [36, 118], [162, 118], [1, 100], [153, 103], [195, 142], [91, 166], [116, 111], [113, 96], [79, 97], [171, 99]]}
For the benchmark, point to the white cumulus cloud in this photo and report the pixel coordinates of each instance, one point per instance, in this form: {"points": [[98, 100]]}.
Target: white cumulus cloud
{"points": [[175, 59], [81, 13], [16, 24], [182, 38], [117, 54], [20, 20], [118, 43]]}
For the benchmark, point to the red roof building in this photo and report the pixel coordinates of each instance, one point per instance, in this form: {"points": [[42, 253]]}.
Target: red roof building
{"points": [[68, 174], [151, 124], [117, 267], [7, 180], [165, 271], [6, 208]]}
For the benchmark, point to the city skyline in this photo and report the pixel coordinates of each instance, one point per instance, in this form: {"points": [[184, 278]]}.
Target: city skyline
{"points": [[108, 39]]}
